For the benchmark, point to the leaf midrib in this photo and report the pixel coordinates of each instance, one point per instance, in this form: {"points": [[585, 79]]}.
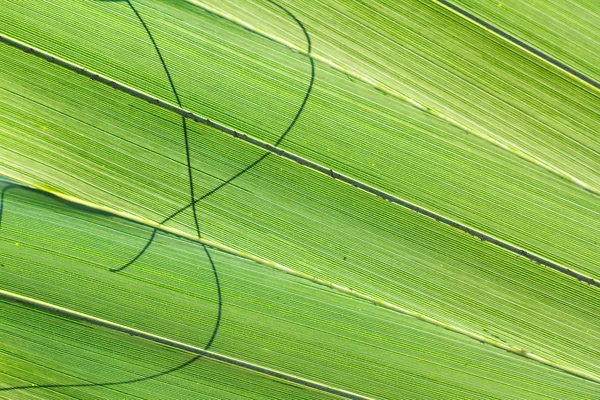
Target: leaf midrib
{"points": [[510, 147], [342, 289], [301, 160], [54, 309]]}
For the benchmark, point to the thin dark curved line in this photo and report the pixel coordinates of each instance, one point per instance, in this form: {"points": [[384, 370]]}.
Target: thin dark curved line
{"points": [[145, 378], [312, 80], [191, 184], [219, 304], [283, 135], [185, 137], [224, 183], [183, 119], [192, 204], [312, 69], [162, 60], [174, 369], [298, 22], [57, 310], [148, 243], [50, 386], [4, 189], [189, 164]]}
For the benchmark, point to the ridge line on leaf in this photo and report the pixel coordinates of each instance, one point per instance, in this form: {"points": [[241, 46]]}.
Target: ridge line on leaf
{"points": [[518, 42], [298, 159], [65, 312], [342, 289], [392, 92]]}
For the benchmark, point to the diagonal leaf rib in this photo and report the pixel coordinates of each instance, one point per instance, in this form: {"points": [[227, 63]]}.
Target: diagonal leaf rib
{"points": [[393, 92], [518, 42], [342, 289], [175, 344], [298, 159]]}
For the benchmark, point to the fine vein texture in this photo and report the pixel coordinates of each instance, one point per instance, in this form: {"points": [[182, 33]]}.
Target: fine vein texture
{"points": [[519, 43], [37, 348], [425, 52], [566, 30], [199, 352], [217, 322], [130, 153], [280, 152], [271, 318], [346, 125], [409, 100]]}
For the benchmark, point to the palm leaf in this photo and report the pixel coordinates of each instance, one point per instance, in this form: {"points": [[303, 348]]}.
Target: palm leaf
{"points": [[253, 239]]}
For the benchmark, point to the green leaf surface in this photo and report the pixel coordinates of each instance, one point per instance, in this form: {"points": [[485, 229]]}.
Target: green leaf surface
{"points": [[566, 30], [277, 264], [256, 85], [57, 253], [37, 348], [423, 51]]}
